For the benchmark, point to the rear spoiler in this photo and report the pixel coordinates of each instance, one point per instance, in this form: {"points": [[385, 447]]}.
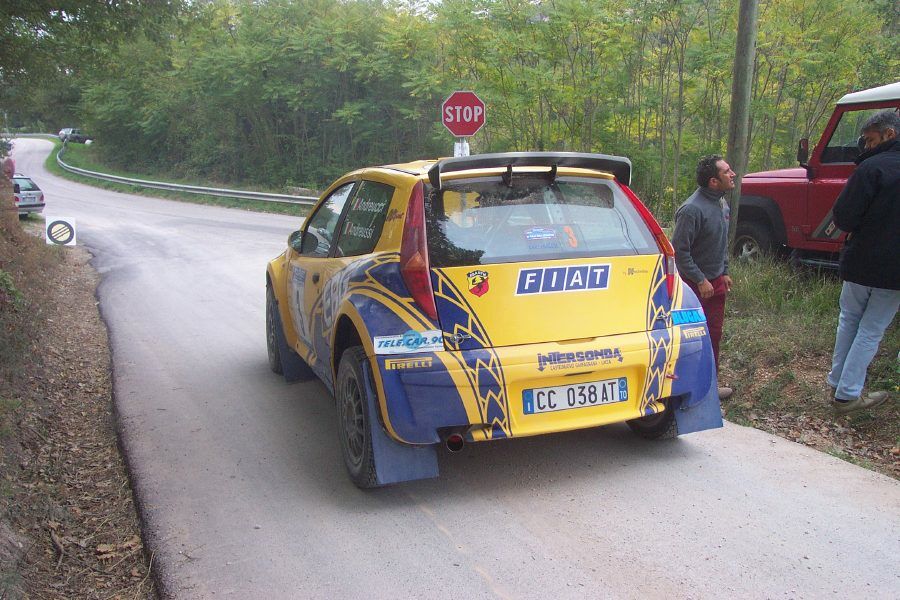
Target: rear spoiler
{"points": [[619, 166]]}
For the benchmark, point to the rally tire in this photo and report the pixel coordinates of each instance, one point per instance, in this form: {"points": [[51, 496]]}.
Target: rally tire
{"points": [[753, 240], [659, 426], [272, 322], [354, 421], [282, 359]]}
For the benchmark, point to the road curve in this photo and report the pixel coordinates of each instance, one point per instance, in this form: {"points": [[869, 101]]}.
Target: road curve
{"points": [[242, 491]]}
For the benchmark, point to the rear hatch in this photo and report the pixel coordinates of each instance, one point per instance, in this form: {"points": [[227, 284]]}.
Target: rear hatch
{"points": [[29, 194], [533, 257]]}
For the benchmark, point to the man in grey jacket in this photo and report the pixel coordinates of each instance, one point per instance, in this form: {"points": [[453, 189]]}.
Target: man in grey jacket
{"points": [[701, 245]]}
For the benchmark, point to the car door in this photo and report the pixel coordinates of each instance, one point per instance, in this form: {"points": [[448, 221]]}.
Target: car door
{"points": [[832, 166], [310, 268]]}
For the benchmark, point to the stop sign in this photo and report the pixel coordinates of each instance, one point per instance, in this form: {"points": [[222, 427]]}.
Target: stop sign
{"points": [[463, 113]]}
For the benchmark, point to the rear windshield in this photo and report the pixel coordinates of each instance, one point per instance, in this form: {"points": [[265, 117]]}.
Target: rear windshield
{"points": [[25, 184], [485, 221]]}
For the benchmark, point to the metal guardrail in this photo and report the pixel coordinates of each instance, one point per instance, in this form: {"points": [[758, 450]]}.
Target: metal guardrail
{"points": [[175, 187]]}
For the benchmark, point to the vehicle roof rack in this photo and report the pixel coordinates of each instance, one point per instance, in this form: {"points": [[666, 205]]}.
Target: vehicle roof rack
{"points": [[619, 166]]}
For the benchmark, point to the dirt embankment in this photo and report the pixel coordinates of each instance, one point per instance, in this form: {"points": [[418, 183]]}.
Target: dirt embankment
{"points": [[68, 525]]}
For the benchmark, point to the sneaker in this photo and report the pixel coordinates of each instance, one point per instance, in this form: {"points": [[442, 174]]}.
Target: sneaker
{"points": [[725, 393], [871, 400]]}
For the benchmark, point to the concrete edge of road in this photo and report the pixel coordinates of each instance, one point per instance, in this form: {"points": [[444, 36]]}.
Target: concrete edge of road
{"points": [[174, 187]]}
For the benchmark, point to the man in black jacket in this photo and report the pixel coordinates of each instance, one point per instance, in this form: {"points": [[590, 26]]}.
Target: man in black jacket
{"points": [[868, 209]]}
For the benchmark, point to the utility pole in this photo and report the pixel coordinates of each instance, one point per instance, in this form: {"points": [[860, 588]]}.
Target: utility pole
{"points": [[739, 119]]}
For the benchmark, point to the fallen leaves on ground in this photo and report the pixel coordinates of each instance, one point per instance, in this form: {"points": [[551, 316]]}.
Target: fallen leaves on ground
{"points": [[68, 527]]}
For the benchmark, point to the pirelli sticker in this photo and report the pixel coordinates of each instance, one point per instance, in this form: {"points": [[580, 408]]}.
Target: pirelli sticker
{"points": [[395, 364], [693, 333]]}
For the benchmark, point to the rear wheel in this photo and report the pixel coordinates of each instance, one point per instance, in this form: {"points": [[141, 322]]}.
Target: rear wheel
{"points": [[752, 240], [658, 426], [354, 421]]}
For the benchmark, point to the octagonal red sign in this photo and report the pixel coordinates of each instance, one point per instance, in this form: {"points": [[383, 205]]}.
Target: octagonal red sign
{"points": [[463, 113]]}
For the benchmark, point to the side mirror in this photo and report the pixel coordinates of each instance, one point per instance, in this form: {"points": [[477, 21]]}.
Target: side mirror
{"points": [[16, 188], [295, 240], [803, 152]]}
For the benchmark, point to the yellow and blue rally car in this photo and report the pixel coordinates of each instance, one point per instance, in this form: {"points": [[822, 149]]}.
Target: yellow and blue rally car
{"points": [[487, 297]]}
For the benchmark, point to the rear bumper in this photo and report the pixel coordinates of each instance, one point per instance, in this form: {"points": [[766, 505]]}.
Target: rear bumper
{"points": [[481, 393], [25, 209]]}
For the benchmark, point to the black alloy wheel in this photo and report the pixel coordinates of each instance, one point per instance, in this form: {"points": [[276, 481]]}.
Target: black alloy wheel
{"points": [[354, 421]]}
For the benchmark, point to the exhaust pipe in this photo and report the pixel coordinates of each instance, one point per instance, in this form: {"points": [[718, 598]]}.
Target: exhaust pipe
{"points": [[455, 442]]}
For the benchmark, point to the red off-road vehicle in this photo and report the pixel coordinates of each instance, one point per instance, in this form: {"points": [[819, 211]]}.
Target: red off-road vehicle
{"points": [[791, 208]]}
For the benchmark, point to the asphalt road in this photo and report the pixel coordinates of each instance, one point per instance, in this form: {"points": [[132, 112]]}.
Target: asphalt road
{"points": [[243, 495]]}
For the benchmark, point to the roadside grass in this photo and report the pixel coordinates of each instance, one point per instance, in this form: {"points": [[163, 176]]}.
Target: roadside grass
{"points": [[775, 315], [21, 258], [776, 352], [860, 462], [84, 156]]}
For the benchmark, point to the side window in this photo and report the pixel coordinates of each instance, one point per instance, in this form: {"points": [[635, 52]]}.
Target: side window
{"points": [[319, 233], [843, 146], [365, 219]]}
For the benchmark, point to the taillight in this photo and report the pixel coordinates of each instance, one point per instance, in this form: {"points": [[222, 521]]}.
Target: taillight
{"points": [[41, 198], [414, 253], [665, 247]]}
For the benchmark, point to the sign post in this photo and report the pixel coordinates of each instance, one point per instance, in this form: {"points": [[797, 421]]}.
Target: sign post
{"points": [[463, 114]]}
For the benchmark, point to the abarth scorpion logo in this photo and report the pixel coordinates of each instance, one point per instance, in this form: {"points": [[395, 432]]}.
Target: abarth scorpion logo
{"points": [[478, 282]]}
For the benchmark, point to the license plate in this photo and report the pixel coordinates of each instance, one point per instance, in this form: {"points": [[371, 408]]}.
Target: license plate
{"points": [[576, 395]]}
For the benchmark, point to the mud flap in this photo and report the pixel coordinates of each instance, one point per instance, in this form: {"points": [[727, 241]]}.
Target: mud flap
{"points": [[293, 368], [698, 387], [706, 414], [395, 462]]}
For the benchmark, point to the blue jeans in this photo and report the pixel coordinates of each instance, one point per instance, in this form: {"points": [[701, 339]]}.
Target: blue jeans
{"points": [[866, 312]]}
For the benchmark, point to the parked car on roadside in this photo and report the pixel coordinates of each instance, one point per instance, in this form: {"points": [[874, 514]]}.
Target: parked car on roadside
{"points": [[70, 134], [791, 208], [487, 297], [28, 196]]}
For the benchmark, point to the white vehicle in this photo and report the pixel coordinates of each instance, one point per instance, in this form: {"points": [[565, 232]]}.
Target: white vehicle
{"points": [[29, 197]]}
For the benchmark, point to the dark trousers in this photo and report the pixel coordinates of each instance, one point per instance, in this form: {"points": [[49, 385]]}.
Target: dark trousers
{"points": [[714, 307]]}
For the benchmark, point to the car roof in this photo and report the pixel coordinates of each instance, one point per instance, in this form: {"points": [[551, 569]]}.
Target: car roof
{"points": [[890, 91]]}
